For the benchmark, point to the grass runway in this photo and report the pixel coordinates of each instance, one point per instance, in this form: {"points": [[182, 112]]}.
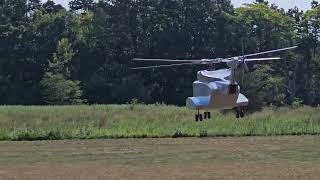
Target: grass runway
{"points": [[147, 121], [278, 157]]}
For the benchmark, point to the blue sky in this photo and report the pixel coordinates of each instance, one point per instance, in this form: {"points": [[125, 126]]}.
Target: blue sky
{"points": [[286, 4]]}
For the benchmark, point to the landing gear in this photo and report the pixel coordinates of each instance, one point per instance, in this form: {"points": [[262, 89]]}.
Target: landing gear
{"points": [[200, 117], [197, 116], [207, 115], [239, 113]]}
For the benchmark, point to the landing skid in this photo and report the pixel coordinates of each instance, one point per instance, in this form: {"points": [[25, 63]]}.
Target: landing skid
{"points": [[200, 117]]}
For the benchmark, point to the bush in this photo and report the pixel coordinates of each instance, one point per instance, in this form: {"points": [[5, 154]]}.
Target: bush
{"points": [[60, 91], [297, 103]]}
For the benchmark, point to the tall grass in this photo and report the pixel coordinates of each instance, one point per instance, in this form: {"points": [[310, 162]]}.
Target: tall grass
{"points": [[142, 121]]}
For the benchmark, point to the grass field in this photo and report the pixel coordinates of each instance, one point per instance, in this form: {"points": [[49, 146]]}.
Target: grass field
{"points": [[249, 158], [147, 121]]}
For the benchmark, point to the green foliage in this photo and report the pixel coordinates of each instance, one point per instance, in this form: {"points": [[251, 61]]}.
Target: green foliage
{"points": [[57, 89], [84, 5], [133, 103], [61, 59], [60, 91], [297, 103], [94, 43], [263, 88], [264, 26]]}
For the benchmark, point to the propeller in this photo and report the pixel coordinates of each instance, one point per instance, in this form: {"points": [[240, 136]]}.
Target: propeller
{"points": [[272, 51], [262, 59], [160, 66], [242, 60], [165, 60], [182, 62], [201, 61]]}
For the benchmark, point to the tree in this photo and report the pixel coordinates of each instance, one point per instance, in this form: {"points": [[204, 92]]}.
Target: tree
{"points": [[46, 51], [17, 85], [60, 91], [309, 39], [51, 7], [81, 5], [57, 87], [265, 28], [61, 59], [263, 88], [314, 4]]}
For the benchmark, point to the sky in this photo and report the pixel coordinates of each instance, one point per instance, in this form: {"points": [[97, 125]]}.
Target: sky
{"points": [[286, 4]]}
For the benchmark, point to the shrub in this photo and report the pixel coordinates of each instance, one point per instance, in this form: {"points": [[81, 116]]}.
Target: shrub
{"points": [[297, 103], [60, 91]]}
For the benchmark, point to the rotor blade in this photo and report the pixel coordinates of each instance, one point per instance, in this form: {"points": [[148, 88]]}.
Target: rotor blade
{"points": [[160, 66], [262, 59], [272, 51], [164, 60]]}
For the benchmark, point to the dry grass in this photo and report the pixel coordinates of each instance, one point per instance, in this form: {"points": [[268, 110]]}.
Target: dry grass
{"points": [[283, 157]]}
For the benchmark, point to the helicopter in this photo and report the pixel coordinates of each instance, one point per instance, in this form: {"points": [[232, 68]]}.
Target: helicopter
{"points": [[216, 89]]}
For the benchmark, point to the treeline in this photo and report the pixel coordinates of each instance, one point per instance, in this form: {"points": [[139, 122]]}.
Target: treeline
{"points": [[51, 55]]}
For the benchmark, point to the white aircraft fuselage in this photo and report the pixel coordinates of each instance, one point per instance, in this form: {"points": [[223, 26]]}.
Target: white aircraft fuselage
{"points": [[216, 90]]}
